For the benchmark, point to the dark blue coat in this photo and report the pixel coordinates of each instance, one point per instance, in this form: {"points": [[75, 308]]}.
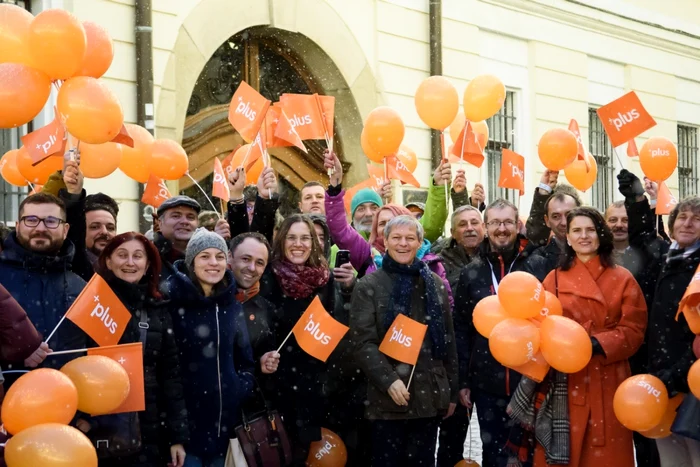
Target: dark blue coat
{"points": [[216, 360]]}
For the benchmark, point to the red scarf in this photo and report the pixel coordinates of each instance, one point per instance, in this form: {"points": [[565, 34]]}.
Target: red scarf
{"points": [[243, 295], [299, 281]]}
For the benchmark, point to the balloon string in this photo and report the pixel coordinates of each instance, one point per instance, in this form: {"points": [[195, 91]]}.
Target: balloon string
{"points": [[204, 193]]}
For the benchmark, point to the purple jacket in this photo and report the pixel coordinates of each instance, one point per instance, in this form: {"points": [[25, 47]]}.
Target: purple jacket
{"points": [[347, 238]]}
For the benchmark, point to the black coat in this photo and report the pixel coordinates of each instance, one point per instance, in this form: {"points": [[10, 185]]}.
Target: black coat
{"points": [[477, 367], [168, 257], [551, 253], [83, 260]]}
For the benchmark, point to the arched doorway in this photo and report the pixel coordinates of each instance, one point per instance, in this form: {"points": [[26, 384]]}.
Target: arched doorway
{"points": [[274, 62]]}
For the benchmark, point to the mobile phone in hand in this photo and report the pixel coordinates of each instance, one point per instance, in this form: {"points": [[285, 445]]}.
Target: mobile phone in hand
{"points": [[342, 257]]}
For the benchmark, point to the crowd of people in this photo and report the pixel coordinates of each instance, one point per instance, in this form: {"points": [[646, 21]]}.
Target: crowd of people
{"points": [[213, 298]]}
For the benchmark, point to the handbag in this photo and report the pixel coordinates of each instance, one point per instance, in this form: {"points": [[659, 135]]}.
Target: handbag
{"points": [[687, 421], [119, 435], [262, 438]]}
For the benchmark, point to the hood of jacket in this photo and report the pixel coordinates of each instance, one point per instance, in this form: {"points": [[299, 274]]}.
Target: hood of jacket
{"points": [[320, 220], [15, 253]]}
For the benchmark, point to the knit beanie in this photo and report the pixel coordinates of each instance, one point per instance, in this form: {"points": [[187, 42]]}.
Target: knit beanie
{"points": [[200, 241], [365, 195]]}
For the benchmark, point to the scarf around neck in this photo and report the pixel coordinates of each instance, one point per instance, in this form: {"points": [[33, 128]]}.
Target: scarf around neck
{"points": [[676, 253], [243, 295], [299, 281], [400, 300]]}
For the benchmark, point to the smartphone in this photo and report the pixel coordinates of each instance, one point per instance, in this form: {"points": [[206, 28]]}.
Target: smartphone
{"points": [[342, 257]]}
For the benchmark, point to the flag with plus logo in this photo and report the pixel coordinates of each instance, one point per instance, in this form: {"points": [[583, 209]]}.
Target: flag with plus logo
{"points": [[156, 192], [625, 118], [397, 170], [317, 333], [247, 110], [220, 187], [49, 140], [665, 201], [129, 356], [512, 171]]}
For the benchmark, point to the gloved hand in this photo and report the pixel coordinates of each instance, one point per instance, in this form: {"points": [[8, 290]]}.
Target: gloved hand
{"points": [[629, 185], [666, 377], [597, 348]]}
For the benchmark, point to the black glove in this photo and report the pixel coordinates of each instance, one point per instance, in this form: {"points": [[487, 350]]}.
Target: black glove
{"points": [[597, 348], [666, 377], [629, 185]]}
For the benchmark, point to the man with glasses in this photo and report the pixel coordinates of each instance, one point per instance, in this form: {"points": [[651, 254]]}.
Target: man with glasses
{"points": [[484, 381], [35, 267]]}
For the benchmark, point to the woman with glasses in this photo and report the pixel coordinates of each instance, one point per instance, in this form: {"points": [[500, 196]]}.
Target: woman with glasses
{"points": [[300, 273]]}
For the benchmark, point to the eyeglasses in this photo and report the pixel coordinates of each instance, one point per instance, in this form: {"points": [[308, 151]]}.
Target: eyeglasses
{"points": [[304, 239], [50, 222], [496, 224]]}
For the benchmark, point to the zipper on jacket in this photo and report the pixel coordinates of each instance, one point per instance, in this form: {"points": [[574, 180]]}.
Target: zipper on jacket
{"points": [[218, 368], [503, 273]]}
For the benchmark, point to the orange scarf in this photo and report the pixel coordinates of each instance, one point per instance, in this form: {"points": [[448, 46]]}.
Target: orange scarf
{"points": [[244, 295]]}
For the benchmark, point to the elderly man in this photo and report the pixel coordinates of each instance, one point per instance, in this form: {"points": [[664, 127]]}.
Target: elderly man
{"points": [[404, 418]]}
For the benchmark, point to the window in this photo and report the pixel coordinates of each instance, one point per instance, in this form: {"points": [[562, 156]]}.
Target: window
{"points": [[501, 136], [603, 152], [10, 196], [687, 161]]}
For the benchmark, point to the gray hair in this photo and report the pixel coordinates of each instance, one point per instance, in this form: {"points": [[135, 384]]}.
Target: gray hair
{"points": [[691, 203], [460, 210], [404, 221], [500, 204]]}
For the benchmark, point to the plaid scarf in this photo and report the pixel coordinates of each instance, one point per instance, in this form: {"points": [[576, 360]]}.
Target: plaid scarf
{"points": [[243, 295], [541, 410]]}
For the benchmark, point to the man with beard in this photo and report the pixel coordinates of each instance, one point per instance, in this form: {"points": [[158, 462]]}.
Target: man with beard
{"points": [[35, 269], [363, 206], [484, 381], [617, 220]]}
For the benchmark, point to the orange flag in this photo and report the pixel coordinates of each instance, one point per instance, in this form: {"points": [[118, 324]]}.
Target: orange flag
{"points": [[226, 163], [403, 340], [46, 141], [472, 152], [317, 333], [286, 131], [689, 303], [130, 356], [397, 170], [573, 127], [304, 115], [156, 192], [272, 119], [535, 369], [376, 172], [665, 201], [99, 313], [632, 150], [124, 137], [512, 171], [247, 110], [327, 104], [220, 187], [625, 118], [347, 198]]}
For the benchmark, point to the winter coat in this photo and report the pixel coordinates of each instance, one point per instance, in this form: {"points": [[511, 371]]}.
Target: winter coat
{"points": [[215, 357], [168, 256], [83, 260], [454, 258], [477, 367], [434, 383], [551, 253], [609, 304], [537, 231], [45, 287], [263, 217]]}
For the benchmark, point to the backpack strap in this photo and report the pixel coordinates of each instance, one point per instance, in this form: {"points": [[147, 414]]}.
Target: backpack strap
{"points": [[143, 329]]}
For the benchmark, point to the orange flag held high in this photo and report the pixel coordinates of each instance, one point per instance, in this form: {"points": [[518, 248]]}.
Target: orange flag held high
{"points": [[46, 141], [625, 118], [156, 192], [129, 356], [99, 313], [220, 187], [327, 104], [581, 154], [317, 333], [304, 115], [287, 131], [247, 110], [665, 201], [226, 163], [124, 137], [689, 303], [397, 170], [632, 150], [403, 340], [512, 171], [472, 152], [376, 173]]}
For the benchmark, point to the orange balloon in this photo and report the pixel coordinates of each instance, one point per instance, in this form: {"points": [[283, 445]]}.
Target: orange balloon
{"points": [[57, 42], [487, 314], [50, 445], [329, 452], [521, 295], [40, 173], [456, 126], [483, 97], [90, 109], [14, 34], [658, 158], [513, 341], [536, 368], [384, 130], [640, 402], [557, 148], [663, 429], [552, 307], [577, 175], [9, 171], [369, 151], [99, 160], [23, 93], [565, 344], [99, 53], [408, 157], [437, 102], [102, 383], [136, 161], [40, 396], [168, 160], [694, 379]]}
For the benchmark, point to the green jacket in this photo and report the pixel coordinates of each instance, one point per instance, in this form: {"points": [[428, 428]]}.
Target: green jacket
{"points": [[435, 214]]}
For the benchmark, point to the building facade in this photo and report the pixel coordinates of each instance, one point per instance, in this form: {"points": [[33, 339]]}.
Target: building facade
{"points": [[559, 59]]}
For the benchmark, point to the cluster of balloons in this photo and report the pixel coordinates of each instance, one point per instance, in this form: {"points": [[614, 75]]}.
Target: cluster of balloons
{"points": [[526, 329], [39, 406], [329, 452], [558, 149]]}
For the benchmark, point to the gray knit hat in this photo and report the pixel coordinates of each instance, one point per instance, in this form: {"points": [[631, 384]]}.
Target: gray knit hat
{"points": [[200, 241]]}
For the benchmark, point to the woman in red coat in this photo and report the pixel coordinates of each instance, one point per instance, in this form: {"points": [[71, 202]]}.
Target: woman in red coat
{"points": [[607, 301]]}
